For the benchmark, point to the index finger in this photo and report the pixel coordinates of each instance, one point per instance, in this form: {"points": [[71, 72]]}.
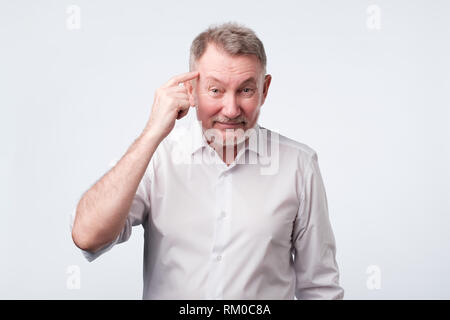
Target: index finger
{"points": [[182, 78]]}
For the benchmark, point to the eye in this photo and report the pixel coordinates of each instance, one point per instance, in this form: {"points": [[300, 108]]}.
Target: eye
{"points": [[215, 91], [248, 91]]}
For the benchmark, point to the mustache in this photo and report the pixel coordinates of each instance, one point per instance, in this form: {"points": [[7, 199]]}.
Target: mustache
{"points": [[221, 119]]}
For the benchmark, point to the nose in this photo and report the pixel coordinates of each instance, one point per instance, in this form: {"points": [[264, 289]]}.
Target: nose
{"points": [[231, 108]]}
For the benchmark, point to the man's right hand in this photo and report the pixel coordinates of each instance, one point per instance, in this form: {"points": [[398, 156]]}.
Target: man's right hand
{"points": [[171, 102], [103, 209]]}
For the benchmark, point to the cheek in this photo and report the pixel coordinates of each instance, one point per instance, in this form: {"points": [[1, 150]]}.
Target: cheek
{"points": [[207, 107], [250, 106]]}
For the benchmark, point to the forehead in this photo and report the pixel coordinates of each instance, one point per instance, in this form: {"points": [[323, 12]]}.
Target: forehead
{"points": [[217, 65]]}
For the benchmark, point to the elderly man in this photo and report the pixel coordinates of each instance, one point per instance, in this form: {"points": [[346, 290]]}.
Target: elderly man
{"points": [[217, 225]]}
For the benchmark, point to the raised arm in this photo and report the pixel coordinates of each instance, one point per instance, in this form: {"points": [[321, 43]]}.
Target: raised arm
{"points": [[102, 211]]}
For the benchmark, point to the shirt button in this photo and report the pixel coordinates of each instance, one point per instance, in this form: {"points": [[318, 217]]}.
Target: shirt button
{"points": [[219, 257], [223, 214]]}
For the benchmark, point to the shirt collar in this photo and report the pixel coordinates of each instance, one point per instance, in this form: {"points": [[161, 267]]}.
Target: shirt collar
{"points": [[199, 140]]}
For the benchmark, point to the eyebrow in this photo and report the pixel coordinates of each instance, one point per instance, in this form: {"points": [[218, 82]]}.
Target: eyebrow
{"points": [[251, 79]]}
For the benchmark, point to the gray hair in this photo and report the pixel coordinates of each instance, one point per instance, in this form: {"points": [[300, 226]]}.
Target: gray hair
{"points": [[231, 37]]}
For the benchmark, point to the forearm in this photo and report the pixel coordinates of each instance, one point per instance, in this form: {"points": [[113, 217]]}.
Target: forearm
{"points": [[102, 211]]}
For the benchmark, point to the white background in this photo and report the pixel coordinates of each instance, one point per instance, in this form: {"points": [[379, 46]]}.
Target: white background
{"points": [[374, 104]]}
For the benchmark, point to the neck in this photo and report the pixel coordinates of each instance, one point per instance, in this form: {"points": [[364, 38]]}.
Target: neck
{"points": [[228, 153]]}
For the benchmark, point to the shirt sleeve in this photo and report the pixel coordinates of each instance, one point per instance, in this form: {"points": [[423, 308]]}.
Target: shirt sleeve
{"points": [[139, 210], [314, 248]]}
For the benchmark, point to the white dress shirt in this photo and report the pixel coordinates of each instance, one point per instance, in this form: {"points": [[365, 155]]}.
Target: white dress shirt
{"points": [[256, 229]]}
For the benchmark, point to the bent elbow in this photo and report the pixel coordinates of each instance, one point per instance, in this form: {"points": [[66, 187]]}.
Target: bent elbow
{"points": [[91, 241], [82, 242], [83, 239]]}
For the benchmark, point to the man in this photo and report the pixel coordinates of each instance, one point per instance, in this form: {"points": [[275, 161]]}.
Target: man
{"points": [[217, 226]]}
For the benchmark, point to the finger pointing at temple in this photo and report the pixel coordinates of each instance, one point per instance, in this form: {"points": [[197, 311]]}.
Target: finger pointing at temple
{"points": [[181, 78]]}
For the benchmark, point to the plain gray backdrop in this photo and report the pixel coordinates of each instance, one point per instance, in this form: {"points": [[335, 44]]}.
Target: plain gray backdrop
{"points": [[372, 98]]}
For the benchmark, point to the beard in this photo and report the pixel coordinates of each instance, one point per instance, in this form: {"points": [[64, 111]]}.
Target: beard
{"points": [[227, 132]]}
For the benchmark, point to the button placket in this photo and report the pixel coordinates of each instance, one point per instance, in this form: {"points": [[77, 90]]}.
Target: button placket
{"points": [[221, 235]]}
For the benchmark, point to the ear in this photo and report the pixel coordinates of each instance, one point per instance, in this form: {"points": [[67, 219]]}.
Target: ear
{"points": [[267, 80], [190, 87]]}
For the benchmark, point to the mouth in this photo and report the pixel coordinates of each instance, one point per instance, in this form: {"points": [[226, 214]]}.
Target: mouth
{"points": [[227, 125]]}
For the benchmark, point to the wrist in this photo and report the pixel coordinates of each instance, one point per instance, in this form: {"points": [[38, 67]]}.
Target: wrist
{"points": [[152, 136]]}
